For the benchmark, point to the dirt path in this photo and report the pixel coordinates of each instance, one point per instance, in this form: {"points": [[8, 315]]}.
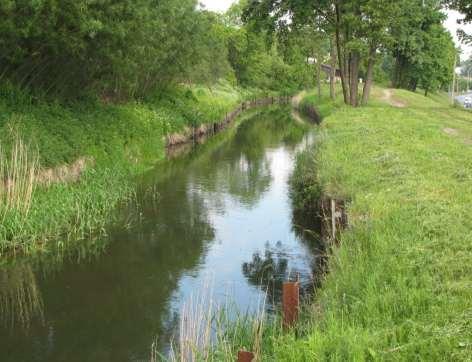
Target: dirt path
{"points": [[455, 133], [388, 97]]}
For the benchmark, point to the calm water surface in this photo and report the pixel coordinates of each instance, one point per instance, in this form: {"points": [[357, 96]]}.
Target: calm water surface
{"points": [[219, 216]]}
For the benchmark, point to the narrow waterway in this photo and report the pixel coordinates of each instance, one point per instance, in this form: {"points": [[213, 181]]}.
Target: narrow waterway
{"points": [[218, 217]]}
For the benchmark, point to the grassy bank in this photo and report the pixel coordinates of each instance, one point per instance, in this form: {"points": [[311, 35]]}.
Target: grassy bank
{"points": [[399, 285], [122, 139]]}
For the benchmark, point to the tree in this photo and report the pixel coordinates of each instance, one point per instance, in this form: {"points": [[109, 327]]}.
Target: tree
{"points": [[210, 49], [423, 50], [116, 48], [464, 7], [264, 59], [466, 67], [435, 69], [359, 28]]}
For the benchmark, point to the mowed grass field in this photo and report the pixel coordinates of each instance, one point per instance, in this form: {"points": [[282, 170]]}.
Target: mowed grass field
{"points": [[399, 287]]}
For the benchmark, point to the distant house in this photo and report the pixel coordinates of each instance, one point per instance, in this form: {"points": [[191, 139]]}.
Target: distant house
{"points": [[327, 69]]}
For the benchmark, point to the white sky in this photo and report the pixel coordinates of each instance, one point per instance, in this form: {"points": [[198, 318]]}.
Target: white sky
{"points": [[217, 5], [450, 23], [452, 26]]}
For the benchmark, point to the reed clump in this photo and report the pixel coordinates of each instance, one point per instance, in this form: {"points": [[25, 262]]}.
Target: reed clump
{"points": [[210, 331], [18, 170]]}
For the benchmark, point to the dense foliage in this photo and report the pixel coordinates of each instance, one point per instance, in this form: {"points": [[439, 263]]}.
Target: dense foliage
{"points": [[118, 48], [121, 49], [361, 32], [423, 50]]}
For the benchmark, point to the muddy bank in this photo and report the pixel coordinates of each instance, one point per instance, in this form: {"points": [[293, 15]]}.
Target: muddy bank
{"points": [[190, 134], [65, 173]]}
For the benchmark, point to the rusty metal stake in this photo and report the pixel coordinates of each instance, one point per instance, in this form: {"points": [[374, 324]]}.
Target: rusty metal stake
{"points": [[290, 303], [245, 356]]}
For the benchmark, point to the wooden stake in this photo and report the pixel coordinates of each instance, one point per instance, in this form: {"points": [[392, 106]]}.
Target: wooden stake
{"points": [[245, 356], [290, 303], [333, 218]]}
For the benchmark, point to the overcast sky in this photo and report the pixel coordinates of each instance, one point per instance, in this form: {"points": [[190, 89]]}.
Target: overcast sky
{"points": [[451, 22]]}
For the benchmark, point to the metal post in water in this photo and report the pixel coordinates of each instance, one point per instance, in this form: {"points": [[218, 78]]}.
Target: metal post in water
{"points": [[245, 356], [290, 303]]}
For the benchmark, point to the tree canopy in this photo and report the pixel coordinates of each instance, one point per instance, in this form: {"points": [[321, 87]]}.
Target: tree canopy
{"points": [[365, 30], [120, 49]]}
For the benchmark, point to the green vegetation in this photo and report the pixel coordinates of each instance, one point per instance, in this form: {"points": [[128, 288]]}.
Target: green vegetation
{"points": [[123, 141], [90, 90], [407, 35], [398, 286], [121, 50], [322, 102]]}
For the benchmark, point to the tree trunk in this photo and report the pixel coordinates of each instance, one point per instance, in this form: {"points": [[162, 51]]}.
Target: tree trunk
{"points": [[318, 76], [341, 61], [396, 73], [369, 77], [354, 78], [332, 75]]}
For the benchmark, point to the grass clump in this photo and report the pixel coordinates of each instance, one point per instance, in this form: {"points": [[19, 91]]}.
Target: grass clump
{"points": [[17, 179], [323, 104]]}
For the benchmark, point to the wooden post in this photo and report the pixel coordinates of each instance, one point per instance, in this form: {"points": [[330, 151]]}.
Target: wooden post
{"points": [[290, 303], [333, 218], [244, 356]]}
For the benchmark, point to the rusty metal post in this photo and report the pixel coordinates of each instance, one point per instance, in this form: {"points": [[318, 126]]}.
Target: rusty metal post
{"points": [[290, 303], [244, 356]]}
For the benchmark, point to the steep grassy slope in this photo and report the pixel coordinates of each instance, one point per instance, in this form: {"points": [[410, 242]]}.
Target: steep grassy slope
{"points": [[399, 287], [122, 139]]}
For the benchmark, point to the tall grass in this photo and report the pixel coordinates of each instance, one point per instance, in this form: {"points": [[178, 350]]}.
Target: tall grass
{"points": [[209, 331], [18, 170], [195, 327]]}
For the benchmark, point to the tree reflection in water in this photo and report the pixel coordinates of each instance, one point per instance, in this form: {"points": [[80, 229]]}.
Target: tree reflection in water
{"points": [[276, 265]]}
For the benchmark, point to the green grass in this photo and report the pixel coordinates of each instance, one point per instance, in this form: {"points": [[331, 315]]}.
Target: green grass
{"points": [[123, 139], [399, 287], [324, 104]]}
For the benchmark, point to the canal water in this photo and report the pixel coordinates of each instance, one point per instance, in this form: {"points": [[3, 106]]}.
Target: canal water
{"points": [[217, 219]]}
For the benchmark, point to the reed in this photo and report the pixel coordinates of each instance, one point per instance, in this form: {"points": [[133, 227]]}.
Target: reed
{"points": [[196, 327], [18, 171], [209, 331]]}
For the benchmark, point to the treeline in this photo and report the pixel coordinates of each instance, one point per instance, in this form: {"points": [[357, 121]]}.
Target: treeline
{"points": [[120, 49], [403, 41]]}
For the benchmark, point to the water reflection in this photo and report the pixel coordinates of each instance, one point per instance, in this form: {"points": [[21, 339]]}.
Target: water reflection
{"points": [[21, 302], [221, 211]]}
